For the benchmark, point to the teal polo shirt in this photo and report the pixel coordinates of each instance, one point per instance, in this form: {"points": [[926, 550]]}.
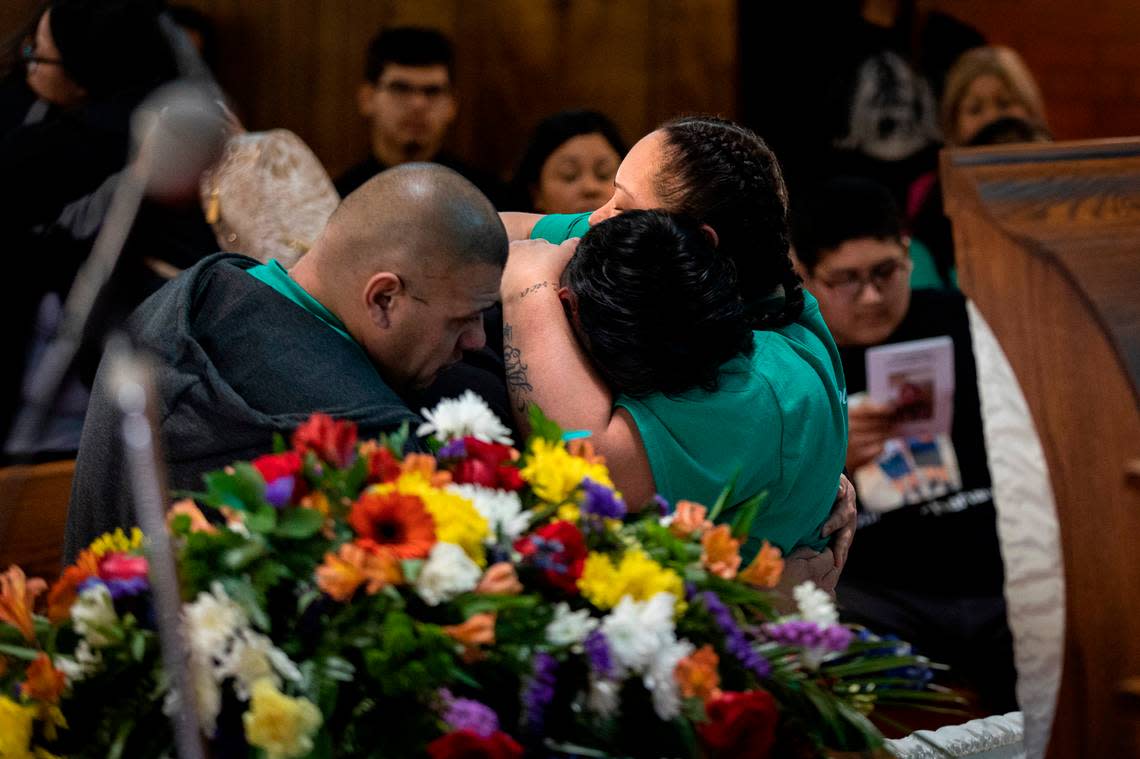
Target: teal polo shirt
{"points": [[777, 422]]}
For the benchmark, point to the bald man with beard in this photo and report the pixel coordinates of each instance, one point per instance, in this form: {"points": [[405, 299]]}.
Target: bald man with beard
{"points": [[391, 293]]}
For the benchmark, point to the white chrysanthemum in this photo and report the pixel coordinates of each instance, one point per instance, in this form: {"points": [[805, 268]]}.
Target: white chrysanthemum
{"points": [[661, 682], [638, 630], [93, 615], [569, 628], [251, 658], [85, 662], [211, 620], [466, 415], [604, 697], [448, 572], [501, 508], [815, 604]]}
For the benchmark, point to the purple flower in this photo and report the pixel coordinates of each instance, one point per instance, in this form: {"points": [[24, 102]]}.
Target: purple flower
{"points": [[662, 505], [468, 714], [736, 642], [456, 449], [598, 652], [280, 490], [803, 634], [539, 691], [601, 501]]}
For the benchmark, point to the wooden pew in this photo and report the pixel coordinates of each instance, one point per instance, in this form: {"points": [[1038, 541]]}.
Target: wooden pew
{"points": [[33, 512], [1048, 247]]}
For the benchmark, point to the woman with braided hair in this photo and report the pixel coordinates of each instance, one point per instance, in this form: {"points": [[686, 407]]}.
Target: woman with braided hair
{"points": [[772, 419]]}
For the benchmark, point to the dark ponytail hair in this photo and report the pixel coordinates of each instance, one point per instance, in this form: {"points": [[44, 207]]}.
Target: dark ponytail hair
{"points": [[727, 177], [659, 310]]}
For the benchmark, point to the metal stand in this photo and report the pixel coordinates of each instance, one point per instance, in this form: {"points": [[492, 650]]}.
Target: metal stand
{"points": [[133, 395]]}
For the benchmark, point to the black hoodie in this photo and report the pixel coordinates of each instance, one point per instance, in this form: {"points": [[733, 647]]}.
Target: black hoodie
{"points": [[235, 362]]}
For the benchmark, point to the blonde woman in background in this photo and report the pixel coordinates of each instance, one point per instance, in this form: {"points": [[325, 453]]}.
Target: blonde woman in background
{"points": [[984, 85]]}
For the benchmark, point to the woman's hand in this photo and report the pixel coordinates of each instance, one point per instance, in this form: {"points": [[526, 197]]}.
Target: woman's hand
{"points": [[534, 265], [869, 426], [841, 523]]}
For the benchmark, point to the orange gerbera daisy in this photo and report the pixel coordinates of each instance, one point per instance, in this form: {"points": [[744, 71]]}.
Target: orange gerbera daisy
{"points": [[697, 676], [66, 589], [17, 597], [765, 569], [393, 523], [45, 682], [720, 552]]}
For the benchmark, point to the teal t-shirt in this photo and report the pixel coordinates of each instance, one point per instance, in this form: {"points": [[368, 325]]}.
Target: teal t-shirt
{"points": [[274, 275], [777, 421], [924, 274]]}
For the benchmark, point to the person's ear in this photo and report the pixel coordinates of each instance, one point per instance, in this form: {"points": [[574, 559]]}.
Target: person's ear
{"points": [[452, 106], [710, 233], [905, 241], [381, 297], [364, 102], [569, 302]]}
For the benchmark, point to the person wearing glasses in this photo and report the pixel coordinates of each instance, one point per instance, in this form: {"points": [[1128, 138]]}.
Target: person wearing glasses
{"points": [[87, 64], [408, 98], [929, 566]]}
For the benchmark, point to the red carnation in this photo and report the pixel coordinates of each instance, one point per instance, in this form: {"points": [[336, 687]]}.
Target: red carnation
{"points": [[277, 465], [487, 464], [332, 441], [740, 724], [464, 744], [559, 550]]}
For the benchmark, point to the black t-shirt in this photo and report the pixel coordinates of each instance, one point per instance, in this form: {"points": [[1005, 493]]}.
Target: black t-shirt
{"points": [[946, 545]]}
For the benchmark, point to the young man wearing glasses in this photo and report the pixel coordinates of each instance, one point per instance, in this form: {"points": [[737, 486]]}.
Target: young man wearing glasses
{"points": [[408, 97], [927, 565]]}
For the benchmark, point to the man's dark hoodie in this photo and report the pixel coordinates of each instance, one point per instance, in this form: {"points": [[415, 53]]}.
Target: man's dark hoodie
{"points": [[236, 362]]}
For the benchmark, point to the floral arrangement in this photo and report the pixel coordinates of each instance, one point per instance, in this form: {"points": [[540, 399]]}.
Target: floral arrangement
{"points": [[341, 598]]}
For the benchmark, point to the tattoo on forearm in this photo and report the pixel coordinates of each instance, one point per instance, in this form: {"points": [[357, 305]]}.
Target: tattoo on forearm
{"points": [[518, 383], [534, 288]]}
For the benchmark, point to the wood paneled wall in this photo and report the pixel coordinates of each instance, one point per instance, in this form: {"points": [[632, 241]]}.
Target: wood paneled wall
{"points": [[1085, 55], [297, 64]]}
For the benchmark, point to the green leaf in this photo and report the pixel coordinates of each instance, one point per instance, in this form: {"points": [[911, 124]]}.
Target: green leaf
{"points": [[411, 569], [746, 515], [867, 666], [279, 445], [138, 647], [19, 652], [722, 499], [299, 523], [262, 521], [397, 441], [542, 426], [242, 556], [242, 489], [247, 598]]}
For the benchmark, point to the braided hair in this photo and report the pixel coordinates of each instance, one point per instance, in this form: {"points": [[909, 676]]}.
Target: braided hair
{"points": [[726, 176]]}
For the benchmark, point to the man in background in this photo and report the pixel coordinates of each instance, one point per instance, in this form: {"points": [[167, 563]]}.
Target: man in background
{"points": [[409, 100]]}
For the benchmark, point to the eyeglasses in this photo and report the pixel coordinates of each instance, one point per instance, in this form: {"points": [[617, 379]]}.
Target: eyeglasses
{"points": [[850, 283], [405, 91], [28, 54]]}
